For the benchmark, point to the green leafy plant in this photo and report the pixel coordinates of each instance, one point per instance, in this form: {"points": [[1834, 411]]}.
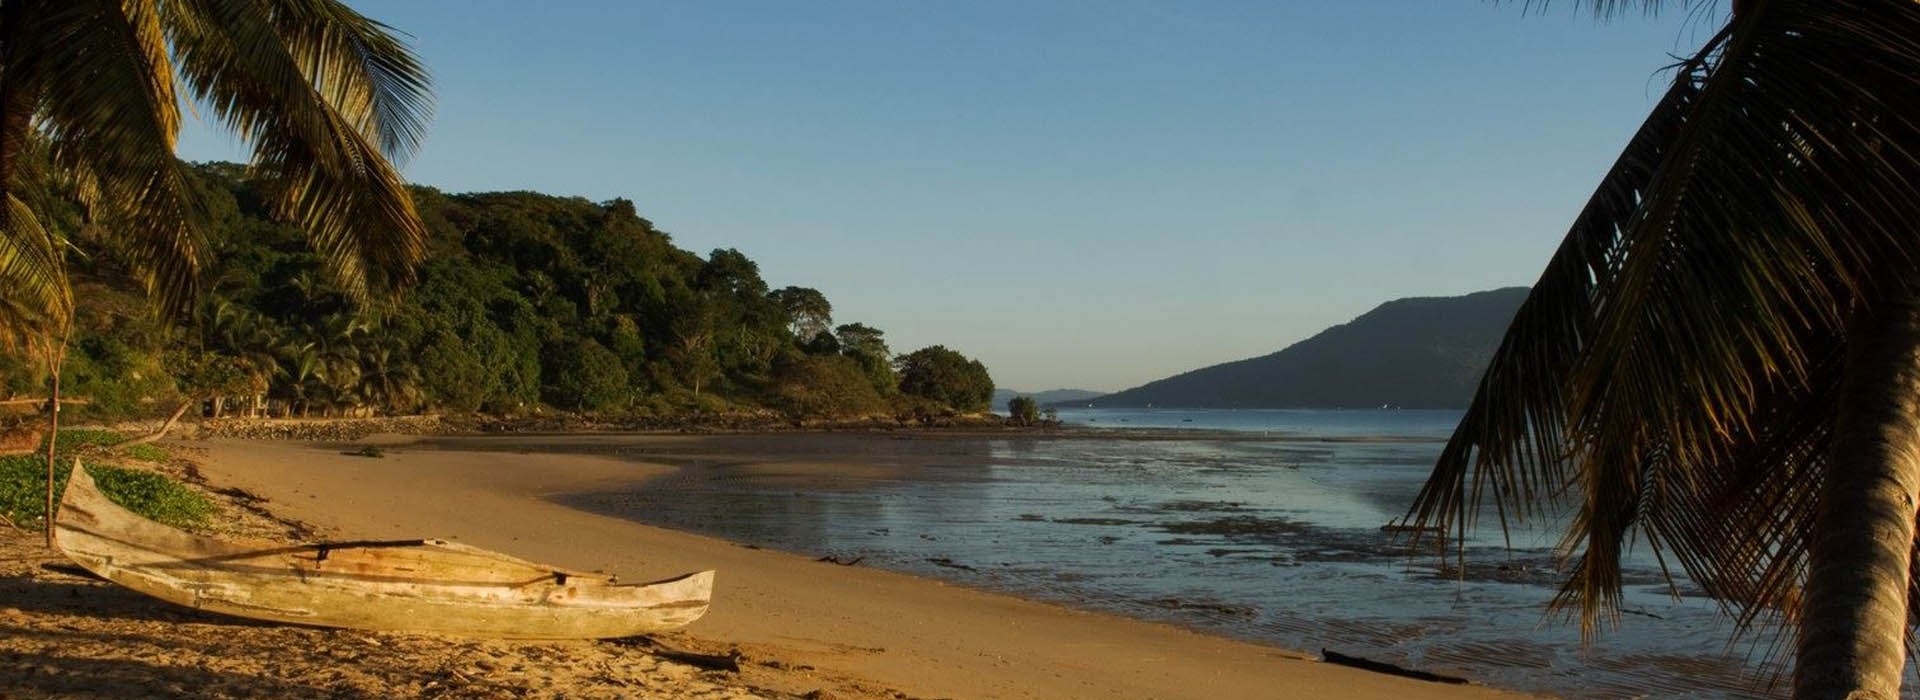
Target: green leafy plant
{"points": [[154, 496]]}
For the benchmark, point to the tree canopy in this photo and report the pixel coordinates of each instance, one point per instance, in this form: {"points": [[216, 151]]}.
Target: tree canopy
{"points": [[946, 377], [526, 302]]}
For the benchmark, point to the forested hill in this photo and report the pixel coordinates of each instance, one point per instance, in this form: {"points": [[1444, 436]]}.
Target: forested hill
{"points": [[526, 303], [1423, 352]]}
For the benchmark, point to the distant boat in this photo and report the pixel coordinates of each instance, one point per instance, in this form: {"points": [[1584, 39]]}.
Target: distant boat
{"points": [[408, 586]]}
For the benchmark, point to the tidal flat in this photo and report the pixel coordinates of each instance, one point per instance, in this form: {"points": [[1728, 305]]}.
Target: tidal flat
{"points": [[1272, 534]]}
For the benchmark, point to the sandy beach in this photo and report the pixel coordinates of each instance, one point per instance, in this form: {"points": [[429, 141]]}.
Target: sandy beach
{"points": [[801, 628], [858, 631]]}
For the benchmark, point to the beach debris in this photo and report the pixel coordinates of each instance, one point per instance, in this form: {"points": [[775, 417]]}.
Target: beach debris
{"points": [[728, 662], [1365, 664], [372, 451], [830, 559]]}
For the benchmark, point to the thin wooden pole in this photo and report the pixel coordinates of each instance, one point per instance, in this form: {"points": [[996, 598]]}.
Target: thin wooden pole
{"points": [[55, 359]]}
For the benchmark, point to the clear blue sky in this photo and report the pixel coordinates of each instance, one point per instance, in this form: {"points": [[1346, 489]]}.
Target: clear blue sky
{"points": [[1081, 194]]}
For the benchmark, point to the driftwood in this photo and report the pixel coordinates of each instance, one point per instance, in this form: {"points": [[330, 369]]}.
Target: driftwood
{"points": [[157, 434], [1339, 659], [729, 662], [712, 662], [830, 559]]}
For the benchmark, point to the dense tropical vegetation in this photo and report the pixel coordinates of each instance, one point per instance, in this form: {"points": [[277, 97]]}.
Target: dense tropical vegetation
{"points": [[91, 97], [525, 303], [1723, 357]]}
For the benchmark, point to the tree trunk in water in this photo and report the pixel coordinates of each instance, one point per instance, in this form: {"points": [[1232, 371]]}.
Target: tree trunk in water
{"points": [[1853, 614]]}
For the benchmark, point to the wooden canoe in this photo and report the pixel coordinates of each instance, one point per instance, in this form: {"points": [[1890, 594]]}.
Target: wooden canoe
{"points": [[411, 585]]}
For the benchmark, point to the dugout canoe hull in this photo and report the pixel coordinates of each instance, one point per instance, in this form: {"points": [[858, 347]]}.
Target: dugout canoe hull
{"points": [[430, 586]]}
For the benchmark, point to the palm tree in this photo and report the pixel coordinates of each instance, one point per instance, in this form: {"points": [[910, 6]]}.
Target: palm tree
{"points": [[252, 342], [323, 95], [1723, 356], [90, 96]]}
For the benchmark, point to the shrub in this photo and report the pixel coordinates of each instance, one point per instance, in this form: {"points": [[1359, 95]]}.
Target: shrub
{"points": [[946, 377], [824, 386], [1023, 410], [23, 491], [586, 375]]}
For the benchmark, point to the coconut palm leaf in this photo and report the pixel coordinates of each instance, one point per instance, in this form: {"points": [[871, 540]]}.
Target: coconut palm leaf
{"points": [[1676, 369], [30, 270], [323, 95], [1510, 444], [110, 117]]}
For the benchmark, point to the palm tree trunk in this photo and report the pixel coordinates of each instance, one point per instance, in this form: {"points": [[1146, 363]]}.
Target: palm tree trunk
{"points": [[1853, 615]]}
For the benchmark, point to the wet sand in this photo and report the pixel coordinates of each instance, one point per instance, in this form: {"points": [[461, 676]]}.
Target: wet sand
{"points": [[922, 637]]}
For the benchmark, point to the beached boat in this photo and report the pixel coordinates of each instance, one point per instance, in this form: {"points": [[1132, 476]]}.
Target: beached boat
{"points": [[410, 585]]}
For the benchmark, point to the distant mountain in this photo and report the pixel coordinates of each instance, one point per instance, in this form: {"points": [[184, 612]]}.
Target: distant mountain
{"points": [[1051, 396], [1423, 352]]}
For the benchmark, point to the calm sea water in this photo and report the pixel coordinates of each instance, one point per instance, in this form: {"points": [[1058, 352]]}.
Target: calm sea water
{"points": [[1263, 525]]}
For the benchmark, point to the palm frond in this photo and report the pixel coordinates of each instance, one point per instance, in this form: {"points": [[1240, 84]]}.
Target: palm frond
{"points": [[110, 116], [37, 298], [318, 110], [360, 67], [1684, 384], [1510, 444], [1778, 213], [1607, 9]]}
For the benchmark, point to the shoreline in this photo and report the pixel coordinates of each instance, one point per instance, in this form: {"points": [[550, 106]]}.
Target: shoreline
{"points": [[925, 636], [429, 427]]}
